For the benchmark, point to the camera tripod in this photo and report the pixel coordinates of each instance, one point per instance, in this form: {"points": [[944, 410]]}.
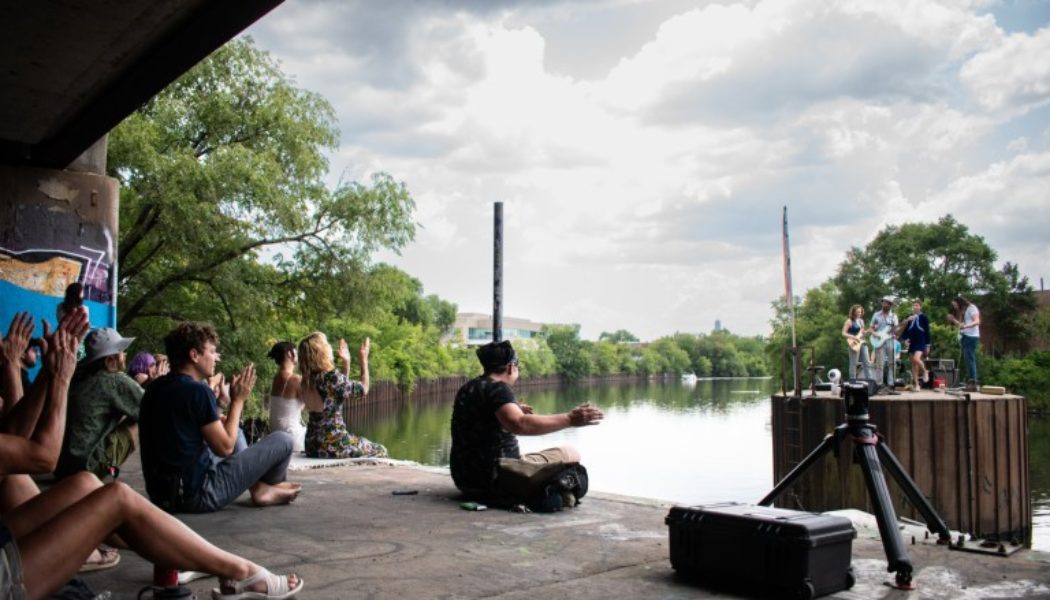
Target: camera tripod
{"points": [[868, 449]]}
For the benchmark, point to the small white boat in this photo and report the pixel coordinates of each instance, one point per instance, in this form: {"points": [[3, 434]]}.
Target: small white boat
{"points": [[688, 377]]}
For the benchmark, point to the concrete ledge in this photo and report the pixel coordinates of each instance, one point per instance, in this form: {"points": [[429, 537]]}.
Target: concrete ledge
{"points": [[349, 537]]}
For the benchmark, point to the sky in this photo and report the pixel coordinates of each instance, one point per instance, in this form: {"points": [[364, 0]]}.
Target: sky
{"points": [[644, 150]]}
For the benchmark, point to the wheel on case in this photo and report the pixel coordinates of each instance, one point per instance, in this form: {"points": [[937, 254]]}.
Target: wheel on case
{"points": [[806, 592], [850, 578]]}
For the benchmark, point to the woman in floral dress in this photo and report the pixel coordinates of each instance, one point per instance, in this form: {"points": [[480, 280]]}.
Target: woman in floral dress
{"points": [[326, 391]]}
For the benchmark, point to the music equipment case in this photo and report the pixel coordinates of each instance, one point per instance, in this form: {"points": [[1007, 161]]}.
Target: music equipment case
{"points": [[762, 549]]}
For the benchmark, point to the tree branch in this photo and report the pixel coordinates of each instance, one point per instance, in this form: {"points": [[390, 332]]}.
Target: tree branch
{"points": [[138, 305], [144, 223], [133, 270]]}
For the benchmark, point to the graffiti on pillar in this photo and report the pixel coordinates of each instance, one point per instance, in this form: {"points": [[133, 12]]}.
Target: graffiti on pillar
{"points": [[50, 271], [43, 249]]}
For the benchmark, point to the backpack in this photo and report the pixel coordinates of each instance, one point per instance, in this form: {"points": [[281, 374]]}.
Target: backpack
{"points": [[548, 490], [564, 490]]}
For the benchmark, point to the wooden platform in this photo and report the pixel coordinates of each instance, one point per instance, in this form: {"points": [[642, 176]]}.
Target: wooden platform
{"points": [[967, 453]]}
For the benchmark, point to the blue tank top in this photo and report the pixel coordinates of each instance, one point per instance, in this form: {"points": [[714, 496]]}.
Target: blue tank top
{"points": [[855, 327]]}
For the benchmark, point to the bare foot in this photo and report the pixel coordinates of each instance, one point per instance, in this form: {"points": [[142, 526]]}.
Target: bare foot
{"points": [[272, 495], [288, 485]]}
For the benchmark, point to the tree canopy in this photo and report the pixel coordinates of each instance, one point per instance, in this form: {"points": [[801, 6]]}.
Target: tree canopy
{"points": [[933, 262]]}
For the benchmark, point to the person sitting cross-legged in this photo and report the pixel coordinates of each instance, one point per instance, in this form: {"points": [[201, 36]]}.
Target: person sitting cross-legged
{"points": [[193, 460], [103, 406], [45, 539], [485, 460]]}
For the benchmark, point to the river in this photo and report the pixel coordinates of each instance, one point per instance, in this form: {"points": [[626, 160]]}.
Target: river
{"points": [[666, 440]]}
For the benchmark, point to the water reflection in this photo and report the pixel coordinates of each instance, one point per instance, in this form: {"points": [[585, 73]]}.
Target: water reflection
{"points": [[690, 444], [686, 443]]}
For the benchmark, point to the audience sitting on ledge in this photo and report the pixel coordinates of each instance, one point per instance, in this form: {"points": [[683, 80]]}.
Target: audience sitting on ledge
{"points": [[46, 537], [193, 460]]}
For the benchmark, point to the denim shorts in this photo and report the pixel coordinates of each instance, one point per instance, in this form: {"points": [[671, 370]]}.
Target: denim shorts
{"points": [[11, 585]]}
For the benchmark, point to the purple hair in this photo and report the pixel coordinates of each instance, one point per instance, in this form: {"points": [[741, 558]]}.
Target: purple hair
{"points": [[141, 364]]}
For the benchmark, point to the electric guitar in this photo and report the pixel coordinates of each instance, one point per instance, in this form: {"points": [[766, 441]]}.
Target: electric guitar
{"points": [[855, 343], [881, 337]]}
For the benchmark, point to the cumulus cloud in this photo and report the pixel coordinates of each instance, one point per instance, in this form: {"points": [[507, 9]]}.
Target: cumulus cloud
{"points": [[648, 196], [1012, 76]]}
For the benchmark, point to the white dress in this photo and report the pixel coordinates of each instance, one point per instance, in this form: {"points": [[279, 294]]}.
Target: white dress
{"points": [[286, 414]]}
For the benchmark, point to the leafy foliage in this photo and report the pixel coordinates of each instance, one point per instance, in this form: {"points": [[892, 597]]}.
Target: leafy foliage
{"points": [[934, 262]]}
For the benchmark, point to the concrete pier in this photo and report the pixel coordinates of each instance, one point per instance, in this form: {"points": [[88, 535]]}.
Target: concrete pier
{"points": [[349, 537]]}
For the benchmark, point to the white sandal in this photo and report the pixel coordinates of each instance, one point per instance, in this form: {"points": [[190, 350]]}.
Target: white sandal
{"points": [[276, 587]]}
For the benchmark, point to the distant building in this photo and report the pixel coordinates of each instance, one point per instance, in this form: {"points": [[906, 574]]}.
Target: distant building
{"points": [[718, 324], [475, 329]]}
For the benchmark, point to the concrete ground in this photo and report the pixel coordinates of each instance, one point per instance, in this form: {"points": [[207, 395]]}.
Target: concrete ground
{"points": [[348, 536]]}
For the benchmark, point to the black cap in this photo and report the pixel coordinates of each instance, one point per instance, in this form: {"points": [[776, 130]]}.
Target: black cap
{"points": [[496, 355]]}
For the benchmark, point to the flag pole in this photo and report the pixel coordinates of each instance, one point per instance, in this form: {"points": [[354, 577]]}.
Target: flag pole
{"points": [[796, 364]]}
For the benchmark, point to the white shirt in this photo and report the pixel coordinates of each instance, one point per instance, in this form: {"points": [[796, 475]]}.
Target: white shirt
{"points": [[970, 316]]}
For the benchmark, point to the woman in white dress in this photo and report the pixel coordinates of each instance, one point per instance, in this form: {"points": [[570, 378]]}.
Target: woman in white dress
{"points": [[286, 409]]}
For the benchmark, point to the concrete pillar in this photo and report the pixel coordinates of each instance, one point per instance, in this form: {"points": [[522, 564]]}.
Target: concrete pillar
{"points": [[58, 227]]}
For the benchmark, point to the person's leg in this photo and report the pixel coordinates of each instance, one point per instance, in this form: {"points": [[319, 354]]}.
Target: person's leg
{"points": [[45, 506], [891, 360], [865, 361], [969, 346], [916, 369], [16, 490], [258, 469], [118, 446], [52, 552], [853, 359], [878, 366], [41, 507]]}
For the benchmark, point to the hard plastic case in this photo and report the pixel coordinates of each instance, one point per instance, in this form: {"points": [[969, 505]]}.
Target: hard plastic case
{"points": [[757, 548]]}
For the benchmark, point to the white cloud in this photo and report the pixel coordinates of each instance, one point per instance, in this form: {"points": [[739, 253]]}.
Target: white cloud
{"points": [[649, 197], [1014, 75]]}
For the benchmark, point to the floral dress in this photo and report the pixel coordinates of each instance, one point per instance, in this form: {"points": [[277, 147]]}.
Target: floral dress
{"points": [[326, 432]]}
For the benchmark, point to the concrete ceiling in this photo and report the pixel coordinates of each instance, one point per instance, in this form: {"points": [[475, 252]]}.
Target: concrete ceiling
{"points": [[71, 70]]}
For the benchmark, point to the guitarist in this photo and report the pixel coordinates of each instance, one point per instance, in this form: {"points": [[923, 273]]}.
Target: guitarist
{"points": [[883, 326], [853, 330]]}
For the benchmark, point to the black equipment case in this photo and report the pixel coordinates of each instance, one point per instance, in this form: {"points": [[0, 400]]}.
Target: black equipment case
{"points": [[760, 548]]}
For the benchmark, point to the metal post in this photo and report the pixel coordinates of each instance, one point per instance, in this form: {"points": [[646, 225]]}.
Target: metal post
{"points": [[497, 274]]}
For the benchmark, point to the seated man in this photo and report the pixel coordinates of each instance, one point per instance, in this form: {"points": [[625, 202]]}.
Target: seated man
{"points": [[103, 407], [45, 539], [485, 460], [192, 460]]}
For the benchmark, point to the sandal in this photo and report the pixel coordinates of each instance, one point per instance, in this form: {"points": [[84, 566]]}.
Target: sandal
{"points": [[276, 587], [108, 558]]}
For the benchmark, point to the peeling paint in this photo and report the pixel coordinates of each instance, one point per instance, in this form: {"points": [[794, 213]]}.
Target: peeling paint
{"points": [[56, 189]]}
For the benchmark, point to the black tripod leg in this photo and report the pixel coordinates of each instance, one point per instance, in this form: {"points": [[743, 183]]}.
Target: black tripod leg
{"points": [[892, 542], [825, 446], [933, 521]]}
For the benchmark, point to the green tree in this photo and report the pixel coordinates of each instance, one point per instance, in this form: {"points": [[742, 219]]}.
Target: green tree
{"points": [[617, 337], [224, 214], [932, 261], [574, 359]]}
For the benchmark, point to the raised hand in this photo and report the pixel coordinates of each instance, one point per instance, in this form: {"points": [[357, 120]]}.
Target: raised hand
{"points": [[344, 353], [243, 383], [16, 341], [61, 357], [76, 323], [585, 414], [366, 347]]}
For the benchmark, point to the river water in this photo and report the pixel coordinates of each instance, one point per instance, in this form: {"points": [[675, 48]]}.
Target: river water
{"points": [[689, 444]]}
